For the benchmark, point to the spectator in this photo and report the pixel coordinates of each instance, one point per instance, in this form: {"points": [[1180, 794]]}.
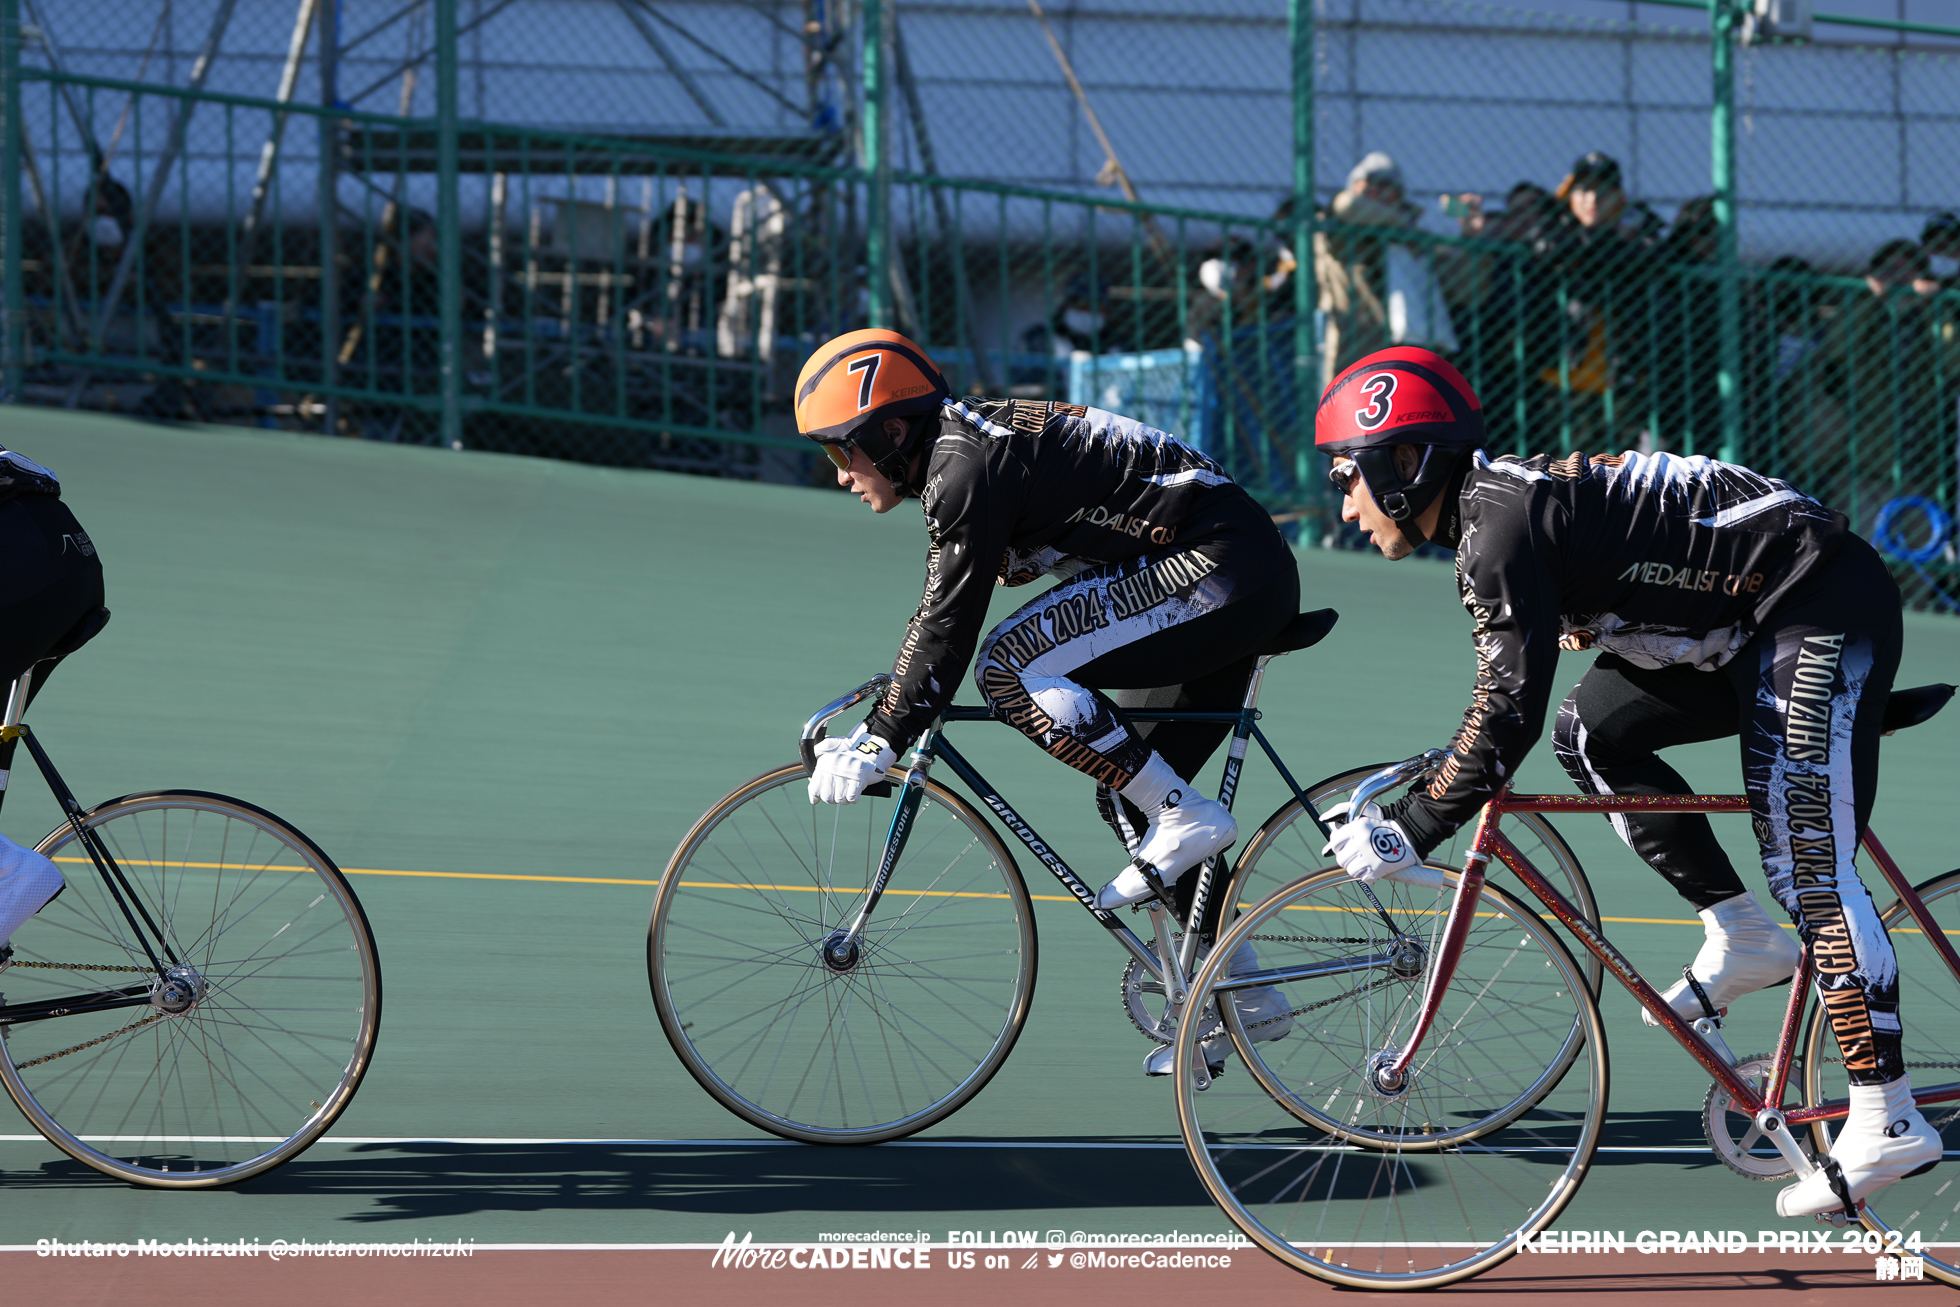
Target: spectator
{"points": [[1940, 239], [1488, 300], [1600, 250], [1527, 207], [1786, 407], [1687, 316], [1351, 261], [1891, 376], [1238, 277], [1077, 325]]}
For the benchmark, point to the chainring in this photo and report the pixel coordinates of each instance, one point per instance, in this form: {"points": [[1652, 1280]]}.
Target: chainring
{"points": [[1145, 1005], [1733, 1134]]}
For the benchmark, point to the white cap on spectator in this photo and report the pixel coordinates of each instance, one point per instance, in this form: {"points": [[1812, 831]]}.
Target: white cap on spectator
{"points": [[1375, 166]]}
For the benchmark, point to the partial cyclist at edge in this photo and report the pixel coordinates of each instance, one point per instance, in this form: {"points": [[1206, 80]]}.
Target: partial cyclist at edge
{"points": [[1170, 580], [1722, 603], [50, 602]]}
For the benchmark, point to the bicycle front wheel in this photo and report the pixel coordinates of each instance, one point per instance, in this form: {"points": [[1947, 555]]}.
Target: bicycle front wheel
{"points": [[1929, 1011], [250, 1044], [1490, 1136], [898, 1039], [1288, 847]]}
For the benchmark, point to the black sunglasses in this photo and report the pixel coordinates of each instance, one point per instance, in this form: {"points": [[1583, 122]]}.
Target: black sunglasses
{"points": [[1342, 475]]}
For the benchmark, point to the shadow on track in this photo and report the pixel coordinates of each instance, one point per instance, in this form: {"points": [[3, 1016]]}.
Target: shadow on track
{"points": [[412, 1181]]}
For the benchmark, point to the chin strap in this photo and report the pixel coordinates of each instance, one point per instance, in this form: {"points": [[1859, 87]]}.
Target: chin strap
{"points": [[894, 462], [1405, 501]]}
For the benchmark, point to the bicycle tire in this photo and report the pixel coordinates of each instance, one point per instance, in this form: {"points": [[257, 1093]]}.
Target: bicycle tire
{"points": [[1929, 1011], [283, 1023], [1293, 851], [734, 967], [1358, 1216]]}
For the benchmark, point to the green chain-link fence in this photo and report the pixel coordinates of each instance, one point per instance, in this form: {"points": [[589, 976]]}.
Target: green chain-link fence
{"points": [[317, 237]]}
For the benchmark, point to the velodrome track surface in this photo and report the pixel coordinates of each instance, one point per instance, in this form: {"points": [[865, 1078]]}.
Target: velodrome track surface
{"points": [[501, 689]]}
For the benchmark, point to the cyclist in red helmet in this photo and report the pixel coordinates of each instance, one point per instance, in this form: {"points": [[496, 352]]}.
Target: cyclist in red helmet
{"points": [[1721, 603], [1169, 580]]}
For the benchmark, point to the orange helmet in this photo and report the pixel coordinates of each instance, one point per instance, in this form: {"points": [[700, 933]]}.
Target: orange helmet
{"points": [[853, 383]]}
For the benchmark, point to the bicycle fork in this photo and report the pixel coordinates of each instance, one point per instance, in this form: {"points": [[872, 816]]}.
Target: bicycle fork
{"points": [[12, 732], [840, 949]]}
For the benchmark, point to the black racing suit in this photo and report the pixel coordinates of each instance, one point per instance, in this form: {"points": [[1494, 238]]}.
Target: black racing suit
{"points": [[1722, 603], [50, 576], [1172, 578]]}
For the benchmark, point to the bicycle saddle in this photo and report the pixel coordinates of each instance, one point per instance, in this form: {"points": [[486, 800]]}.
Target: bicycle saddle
{"points": [[91, 626], [1911, 707], [1311, 628]]}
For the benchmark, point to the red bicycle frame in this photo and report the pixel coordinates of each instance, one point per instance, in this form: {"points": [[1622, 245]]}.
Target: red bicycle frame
{"points": [[1489, 842]]}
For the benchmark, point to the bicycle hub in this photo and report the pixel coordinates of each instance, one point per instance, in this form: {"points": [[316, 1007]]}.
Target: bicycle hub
{"points": [[1387, 1084], [840, 952], [177, 991], [1411, 959]]}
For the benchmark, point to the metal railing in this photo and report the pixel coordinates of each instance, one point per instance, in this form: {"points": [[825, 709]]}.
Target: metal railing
{"points": [[638, 302]]}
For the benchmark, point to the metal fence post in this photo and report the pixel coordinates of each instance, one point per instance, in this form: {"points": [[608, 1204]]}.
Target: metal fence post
{"points": [[449, 254], [877, 164], [1728, 372], [10, 243], [329, 200], [1306, 359]]}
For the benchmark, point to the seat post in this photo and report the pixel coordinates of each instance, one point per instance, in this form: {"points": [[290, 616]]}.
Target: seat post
{"points": [[10, 726], [16, 705], [1252, 683]]}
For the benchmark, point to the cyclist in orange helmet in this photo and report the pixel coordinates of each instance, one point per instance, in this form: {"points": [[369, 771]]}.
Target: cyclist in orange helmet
{"points": [[50, 592], [1170, 578]]}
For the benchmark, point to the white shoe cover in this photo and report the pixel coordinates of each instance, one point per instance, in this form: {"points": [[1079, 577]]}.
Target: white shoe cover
{"points": [[27, 882], [1745, 951], [1262, 1011], [1883, 1139], [1180, 837], [1158, 1061], [1254, 1006]]}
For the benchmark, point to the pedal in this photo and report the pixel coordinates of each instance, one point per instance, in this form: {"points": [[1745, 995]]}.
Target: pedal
{"points": [[1158, 890]]}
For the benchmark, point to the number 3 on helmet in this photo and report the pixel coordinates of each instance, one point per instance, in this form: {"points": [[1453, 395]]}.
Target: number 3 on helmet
{"points": [[852, 384], [1400, 396]]}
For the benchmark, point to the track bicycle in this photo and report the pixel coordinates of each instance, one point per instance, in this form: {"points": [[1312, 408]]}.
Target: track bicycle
{"points": [[854, 974], [199, 1002], [1387, 1144]]}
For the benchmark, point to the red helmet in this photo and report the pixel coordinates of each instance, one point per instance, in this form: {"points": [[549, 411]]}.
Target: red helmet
{"points": [[1401, 396]]}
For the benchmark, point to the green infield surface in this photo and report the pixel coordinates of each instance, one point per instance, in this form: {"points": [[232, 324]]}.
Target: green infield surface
{"points": [[498, 691]]}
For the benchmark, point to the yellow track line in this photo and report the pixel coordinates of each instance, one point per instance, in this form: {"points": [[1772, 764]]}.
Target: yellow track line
{"points": [[796, 889]]}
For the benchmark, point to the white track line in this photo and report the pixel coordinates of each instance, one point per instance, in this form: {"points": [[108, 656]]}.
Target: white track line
{"points": [[489, 1142]]}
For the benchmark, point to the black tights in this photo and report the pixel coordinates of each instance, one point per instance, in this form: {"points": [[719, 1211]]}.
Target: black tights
{"points": [[1806, 697]]}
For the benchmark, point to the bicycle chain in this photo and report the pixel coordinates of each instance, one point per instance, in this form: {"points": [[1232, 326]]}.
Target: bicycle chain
{"points": [[1338, 998], [100, 1039], [1304, 939], [1910, 1066], [79, 966]]}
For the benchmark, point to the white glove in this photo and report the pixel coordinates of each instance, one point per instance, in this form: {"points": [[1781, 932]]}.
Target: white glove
{"points": [[846, 766], [1369, 846]]}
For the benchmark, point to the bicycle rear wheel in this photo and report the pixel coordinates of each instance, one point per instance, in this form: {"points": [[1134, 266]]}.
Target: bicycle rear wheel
{"points": [[1287, 848], [248, 1049], [1492, 1137], [882, 1049], [1929, 1011]]}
